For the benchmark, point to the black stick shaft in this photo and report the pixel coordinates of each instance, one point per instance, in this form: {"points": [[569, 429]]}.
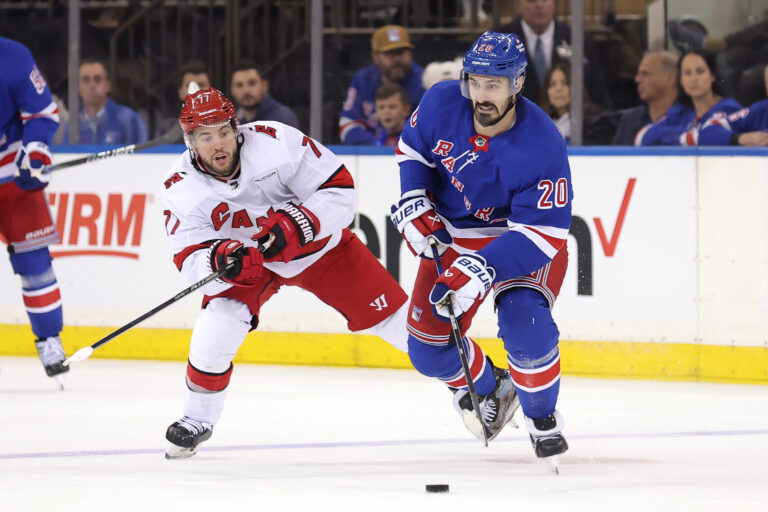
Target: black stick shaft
{"points": [[162, 306], [456, 336], [125, 150]]}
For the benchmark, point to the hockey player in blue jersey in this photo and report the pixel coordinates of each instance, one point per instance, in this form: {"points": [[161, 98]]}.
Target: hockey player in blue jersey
{"points": [[485, 176], [28, 121]]}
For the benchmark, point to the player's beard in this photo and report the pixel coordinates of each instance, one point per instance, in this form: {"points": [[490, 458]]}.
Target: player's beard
{"points": [[486, 120], [229, 171]]}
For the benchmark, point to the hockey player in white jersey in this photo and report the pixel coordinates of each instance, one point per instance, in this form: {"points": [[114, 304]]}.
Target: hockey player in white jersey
{"points": [[272, 206]]}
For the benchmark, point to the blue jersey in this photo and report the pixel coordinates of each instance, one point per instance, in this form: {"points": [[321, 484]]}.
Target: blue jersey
{"points": [[680, 126], [114, 124], [27, 111], [358, 123], [506, 197], [720, 129]]}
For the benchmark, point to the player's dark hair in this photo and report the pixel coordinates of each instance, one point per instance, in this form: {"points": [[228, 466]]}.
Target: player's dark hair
{"points": [[96, 60], [709, 59], [388, 90]]}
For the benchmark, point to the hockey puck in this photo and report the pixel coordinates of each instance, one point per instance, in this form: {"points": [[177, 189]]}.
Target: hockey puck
{"points": [[437, 487]]}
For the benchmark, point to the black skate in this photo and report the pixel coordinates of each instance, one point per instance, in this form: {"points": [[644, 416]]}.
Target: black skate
{"points": [[546, 437], [185, 435], [52, 356], [497, 408]]}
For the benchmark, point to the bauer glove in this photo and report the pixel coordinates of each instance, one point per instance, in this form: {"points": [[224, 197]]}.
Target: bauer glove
{"points": [[417, 220], [464, 283], [32, 163]]}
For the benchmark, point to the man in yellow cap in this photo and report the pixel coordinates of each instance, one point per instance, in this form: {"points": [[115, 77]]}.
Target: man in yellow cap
{"points": [[392, 64]]}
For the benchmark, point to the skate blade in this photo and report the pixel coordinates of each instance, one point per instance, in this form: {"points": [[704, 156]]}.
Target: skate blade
{"points": [[179, 452], [554, 463], [59, 378], [473, 424]]}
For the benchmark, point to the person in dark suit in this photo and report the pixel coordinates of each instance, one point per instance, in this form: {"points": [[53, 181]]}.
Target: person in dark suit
{"points": [[546, 41], [656, 80]]}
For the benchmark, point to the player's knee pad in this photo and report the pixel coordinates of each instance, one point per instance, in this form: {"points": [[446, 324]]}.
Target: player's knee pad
{"points": [[218, 333], [526, 324]]}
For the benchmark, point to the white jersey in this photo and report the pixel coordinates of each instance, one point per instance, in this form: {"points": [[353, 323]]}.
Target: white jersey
{"points": [[278, 165]]}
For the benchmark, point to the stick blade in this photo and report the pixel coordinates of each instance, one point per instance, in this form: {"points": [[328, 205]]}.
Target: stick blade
{"points": [[193, 87], [81, 355]]}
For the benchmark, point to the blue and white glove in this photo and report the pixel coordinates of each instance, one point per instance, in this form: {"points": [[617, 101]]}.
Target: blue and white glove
{"points": [[416, 219], [32, 163], [464, 283]]}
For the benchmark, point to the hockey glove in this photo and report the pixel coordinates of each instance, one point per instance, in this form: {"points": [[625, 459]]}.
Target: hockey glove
{"points": [[465, 282], [418, 221], [32, 162], [247, 261], [284, 232]]}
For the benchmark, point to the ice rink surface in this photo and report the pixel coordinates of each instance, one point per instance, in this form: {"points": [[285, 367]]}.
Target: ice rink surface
{"points": [[308, 438]]}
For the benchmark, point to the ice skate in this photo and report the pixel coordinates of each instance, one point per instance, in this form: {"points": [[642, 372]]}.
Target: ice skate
{"points": [[497, 408], [185, 435], [52, 356], [546, 438]]}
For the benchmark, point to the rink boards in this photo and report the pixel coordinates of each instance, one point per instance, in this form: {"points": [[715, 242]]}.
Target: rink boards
{"points": [[667, 268]]}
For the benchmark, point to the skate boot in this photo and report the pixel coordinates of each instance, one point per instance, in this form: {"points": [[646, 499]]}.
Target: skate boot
{"points": [[185, 435], [52, 355], [547, 441], [497, 408]]}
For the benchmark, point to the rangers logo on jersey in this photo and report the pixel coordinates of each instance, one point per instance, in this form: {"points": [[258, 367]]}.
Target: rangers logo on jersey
{"points": [[37, 80]]}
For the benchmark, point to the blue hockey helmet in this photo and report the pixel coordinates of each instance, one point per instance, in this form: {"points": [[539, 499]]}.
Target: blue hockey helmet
{"points": [[495, 54]]}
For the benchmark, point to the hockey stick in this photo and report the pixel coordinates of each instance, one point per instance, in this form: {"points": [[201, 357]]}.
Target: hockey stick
{"points": [[456, 335], [85, 352], [168, 138]]}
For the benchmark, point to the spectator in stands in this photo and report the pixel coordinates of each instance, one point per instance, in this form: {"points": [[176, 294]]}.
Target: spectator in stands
{"points": [[194, 70], [548, 41], [747, 127], [250, 90], [435, 72], [392, 63], [699, 98], [101, 120], [657, 88], [556, 102], [393, 109], [741, 55]]}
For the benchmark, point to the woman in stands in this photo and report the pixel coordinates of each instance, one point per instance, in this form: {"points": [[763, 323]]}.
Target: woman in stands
{"points": [[699, 100], [556, 102]]}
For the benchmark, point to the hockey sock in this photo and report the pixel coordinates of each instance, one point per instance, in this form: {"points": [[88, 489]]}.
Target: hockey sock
{"points": [[40, 290]]}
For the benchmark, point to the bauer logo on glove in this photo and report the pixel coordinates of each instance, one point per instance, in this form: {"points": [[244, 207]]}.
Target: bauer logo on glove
{"points": [[418, 222], [464, 283]]}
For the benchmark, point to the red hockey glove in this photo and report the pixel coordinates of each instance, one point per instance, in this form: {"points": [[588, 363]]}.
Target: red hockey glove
{"points": [[284, 232], [247, 261], [418, 221], [32, 161], [465, 282]]}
